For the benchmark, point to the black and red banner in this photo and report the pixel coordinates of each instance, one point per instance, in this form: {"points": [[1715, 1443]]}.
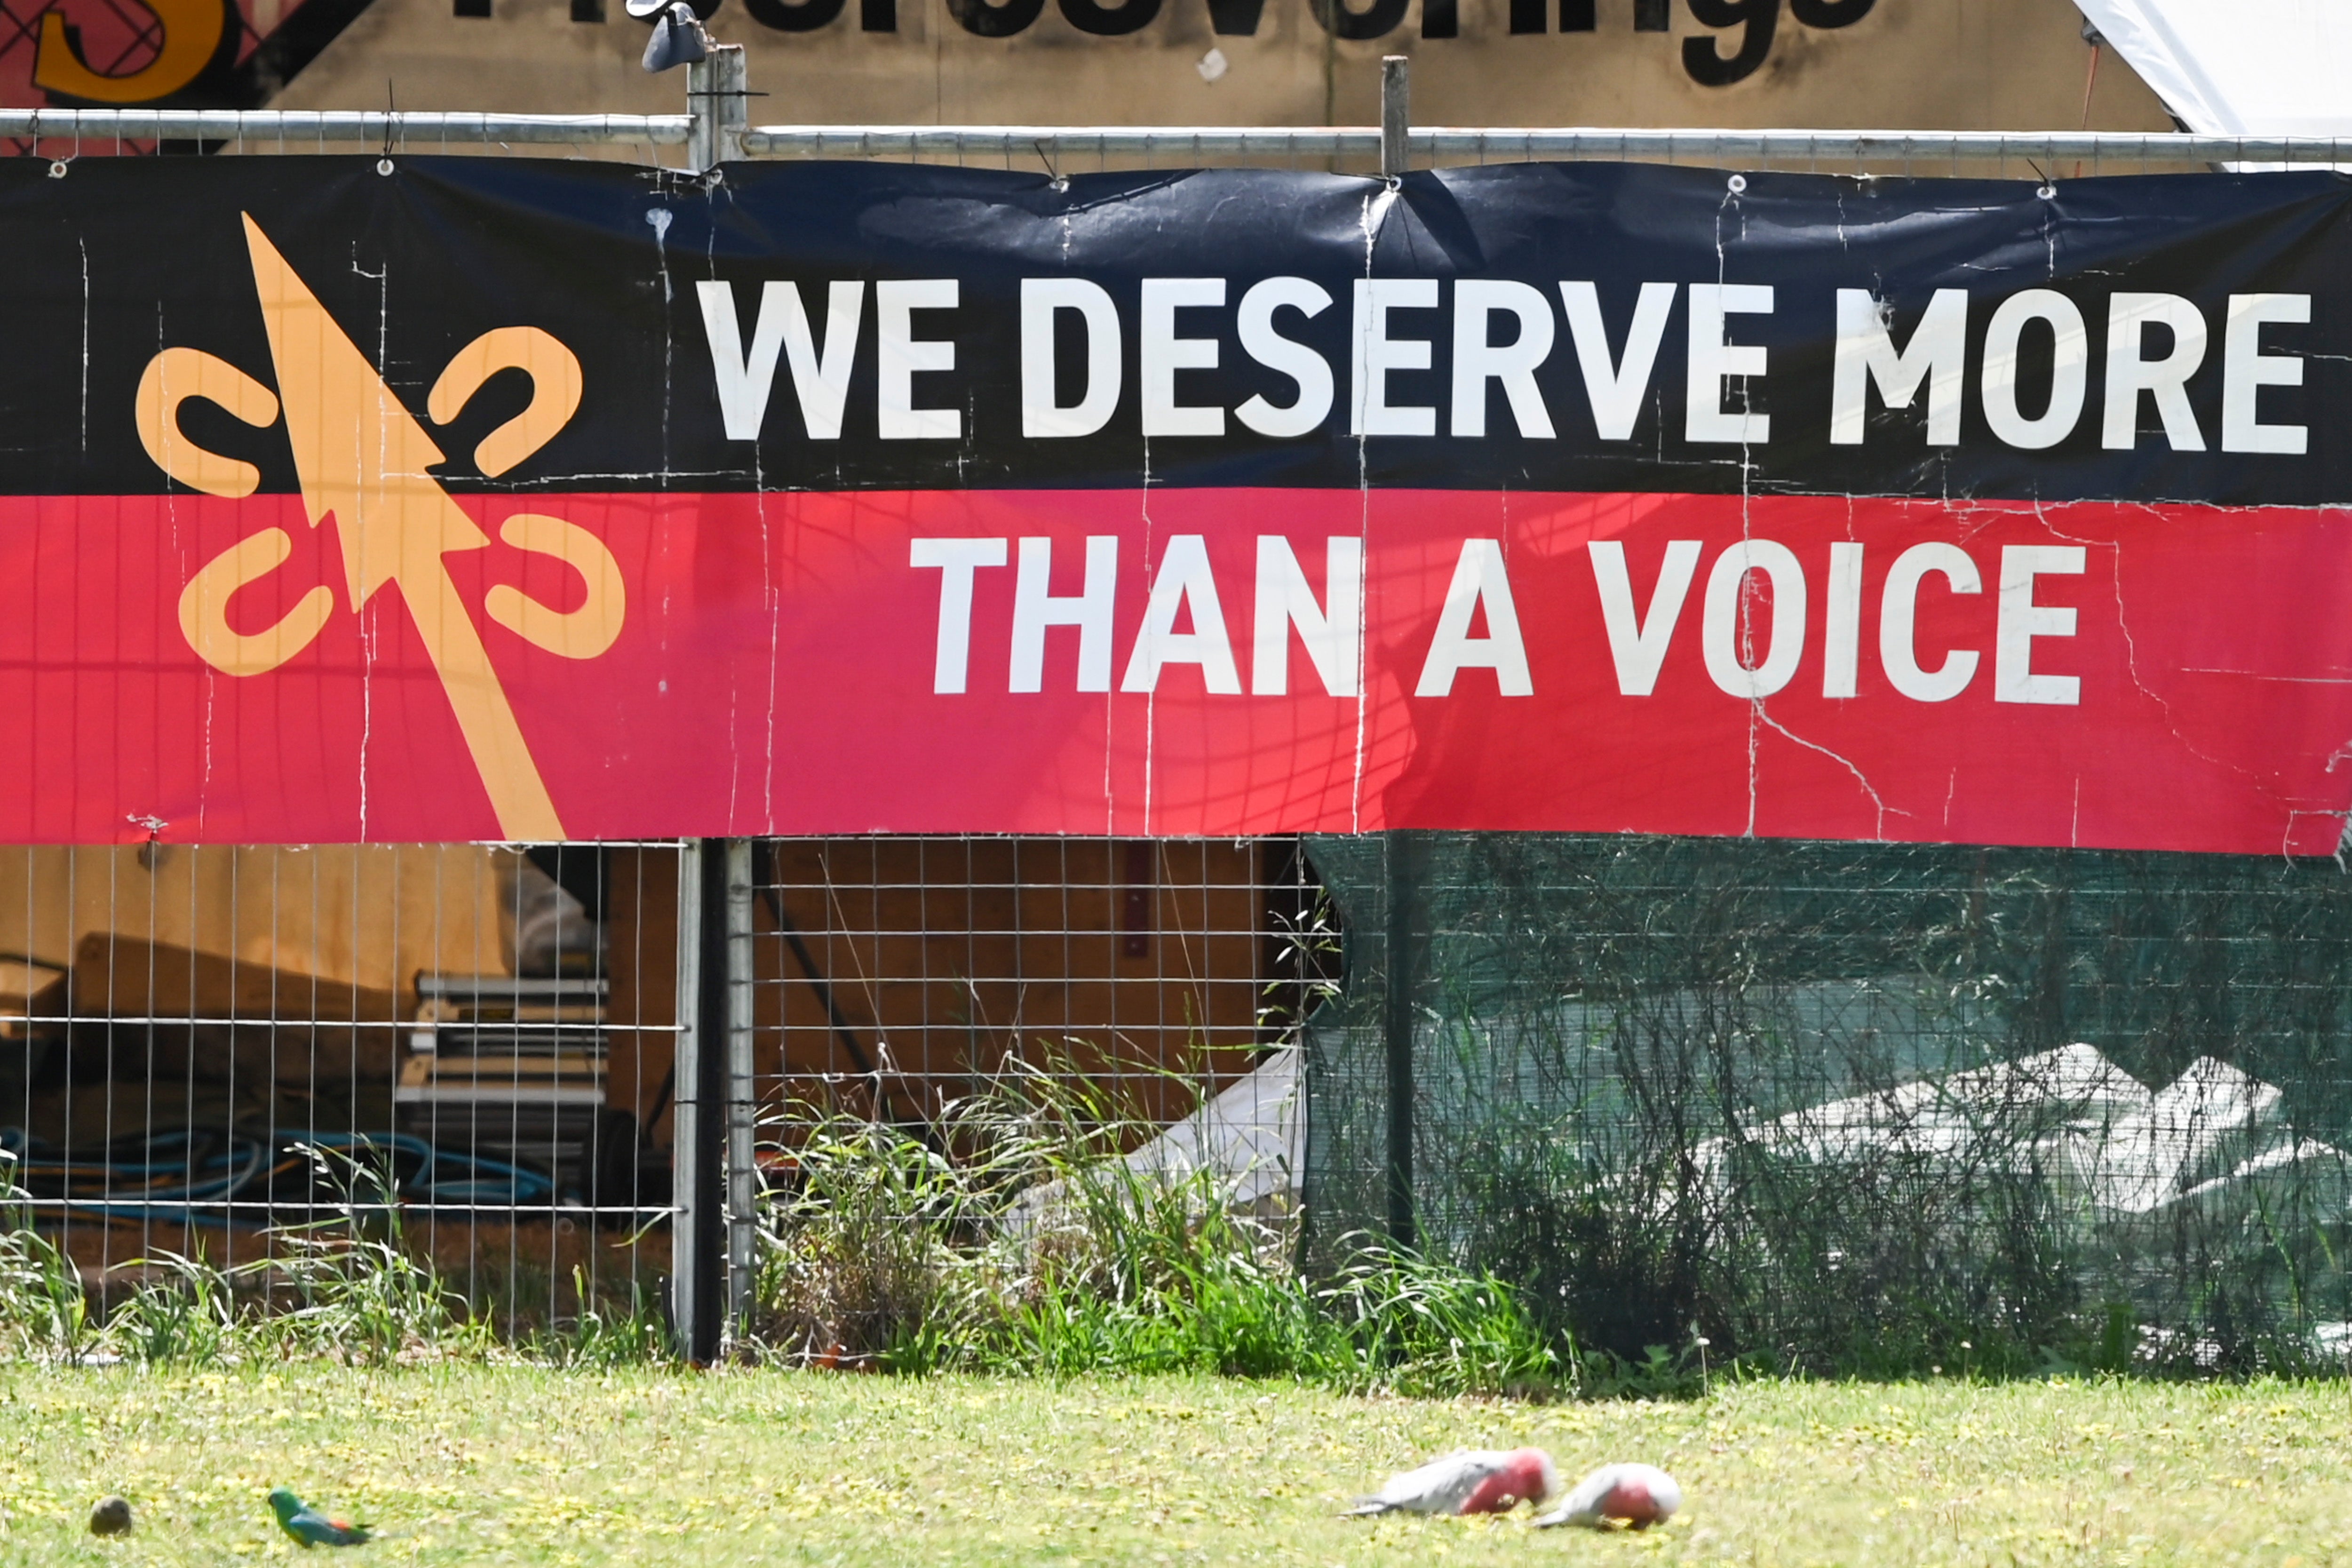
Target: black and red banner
{"points": [[465, 498]]}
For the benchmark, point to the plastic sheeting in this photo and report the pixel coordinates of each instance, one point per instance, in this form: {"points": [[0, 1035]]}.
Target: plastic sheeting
{"points": [[1248, 1140], [2271, 67]]}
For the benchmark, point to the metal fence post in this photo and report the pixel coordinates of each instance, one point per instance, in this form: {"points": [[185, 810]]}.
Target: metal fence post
{"points": [[698, 1232], [742, 1170], [1404, 936], [718, 107], [1396, 119]]}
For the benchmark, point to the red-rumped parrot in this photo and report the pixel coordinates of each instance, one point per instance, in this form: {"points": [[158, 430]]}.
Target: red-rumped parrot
{"points": [[309, 1526]]}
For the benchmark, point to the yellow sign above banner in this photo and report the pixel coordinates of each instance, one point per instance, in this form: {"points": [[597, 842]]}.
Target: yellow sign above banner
{"points": [[1928, 64]]}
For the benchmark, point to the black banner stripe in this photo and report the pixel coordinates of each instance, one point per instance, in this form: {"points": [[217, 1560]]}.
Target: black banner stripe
{"points": [[120, 260]]}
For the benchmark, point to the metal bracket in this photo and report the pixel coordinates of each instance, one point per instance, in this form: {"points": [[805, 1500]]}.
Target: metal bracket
{"points": [[718, 87]]}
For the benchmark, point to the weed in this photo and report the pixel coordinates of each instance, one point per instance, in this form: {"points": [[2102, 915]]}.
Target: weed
{"points": [[361, 1293], [44, 1309], [189, 1315], [1426, 1327], [634, 1334], [1038, 1248]]}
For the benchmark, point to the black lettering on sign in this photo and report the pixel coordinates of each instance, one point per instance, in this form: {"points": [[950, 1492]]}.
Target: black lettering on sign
{"points": [[1709, 69], [1110, 21], [1377, 20], [1575, 15], [1703, 58], [806, 16], [983, 20], [1830, 12]]}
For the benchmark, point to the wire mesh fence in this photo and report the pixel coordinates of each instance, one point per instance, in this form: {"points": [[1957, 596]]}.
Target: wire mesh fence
{"points": [[213, 1050], [981, 1049], [1851, 1106], [1838, 1105], [216, 1051], [895, 974]]}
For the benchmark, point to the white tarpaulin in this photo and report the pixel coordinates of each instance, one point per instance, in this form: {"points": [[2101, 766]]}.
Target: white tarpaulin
{"points": [[2231, 67], [1250, 1140]]}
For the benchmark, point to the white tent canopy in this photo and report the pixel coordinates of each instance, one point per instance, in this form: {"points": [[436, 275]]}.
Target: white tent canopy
{"points": [[2238, 67]]}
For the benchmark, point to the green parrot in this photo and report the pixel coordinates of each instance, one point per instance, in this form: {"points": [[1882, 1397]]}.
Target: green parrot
{"points": [[309, 1526]]}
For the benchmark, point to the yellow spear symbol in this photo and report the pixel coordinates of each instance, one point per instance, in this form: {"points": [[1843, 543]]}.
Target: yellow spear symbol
{"points": [[364, 460]]}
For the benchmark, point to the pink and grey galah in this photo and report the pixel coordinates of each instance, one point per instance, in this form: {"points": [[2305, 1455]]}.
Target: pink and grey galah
{"points": [[1469, 1480], [1639, 1494]]}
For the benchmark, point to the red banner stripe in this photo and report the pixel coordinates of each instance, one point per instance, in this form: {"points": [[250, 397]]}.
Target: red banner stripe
{"points": [[776, 667]]}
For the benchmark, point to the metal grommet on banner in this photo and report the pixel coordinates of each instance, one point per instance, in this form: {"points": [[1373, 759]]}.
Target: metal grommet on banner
{"points": [[57, 168], [2045, 191], [1738, 182], [384, 165]]}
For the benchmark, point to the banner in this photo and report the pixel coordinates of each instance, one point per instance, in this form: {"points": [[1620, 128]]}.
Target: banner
{"points": [[454, 499]]}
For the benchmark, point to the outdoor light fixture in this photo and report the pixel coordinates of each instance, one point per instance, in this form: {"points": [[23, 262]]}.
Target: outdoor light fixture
{"points": [[678, 38]]}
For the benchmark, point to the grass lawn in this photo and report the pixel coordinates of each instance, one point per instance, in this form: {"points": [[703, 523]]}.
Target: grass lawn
{"points": [[467, 1463]]}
